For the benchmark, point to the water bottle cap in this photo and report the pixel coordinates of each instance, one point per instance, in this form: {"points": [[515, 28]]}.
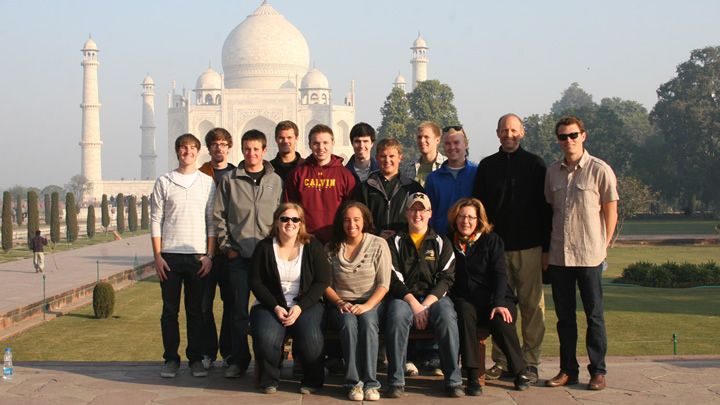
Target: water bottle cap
{"points": [[7, 349]]}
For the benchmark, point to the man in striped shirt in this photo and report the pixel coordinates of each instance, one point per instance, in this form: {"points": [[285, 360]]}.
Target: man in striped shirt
{"points": [[183, 244]]}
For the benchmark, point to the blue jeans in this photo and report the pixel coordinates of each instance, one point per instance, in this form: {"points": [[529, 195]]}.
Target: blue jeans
{"points": [[239, 268], [359, 338], [308, 339], [443, 321], [589, 282]]}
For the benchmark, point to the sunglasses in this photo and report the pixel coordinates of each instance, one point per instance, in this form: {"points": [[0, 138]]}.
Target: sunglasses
{"points": [[285, 219], [453, 127], [564, 137]]}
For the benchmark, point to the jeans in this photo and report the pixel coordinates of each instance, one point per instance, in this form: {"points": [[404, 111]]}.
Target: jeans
{"points": [[183, 271], [359, 339], [442, 319], [219, 276], [589, 282], [268, 336], [238, 269]]}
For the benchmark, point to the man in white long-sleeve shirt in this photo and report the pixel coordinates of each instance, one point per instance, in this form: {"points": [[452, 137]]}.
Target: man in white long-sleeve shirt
{"points": [[183, 243]]}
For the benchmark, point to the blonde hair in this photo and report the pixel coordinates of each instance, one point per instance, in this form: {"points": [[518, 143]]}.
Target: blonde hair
{"points": [[482, 226], [303, 236]]}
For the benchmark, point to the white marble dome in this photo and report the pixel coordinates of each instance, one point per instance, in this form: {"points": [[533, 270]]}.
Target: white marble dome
{"points": [[400, 79], [90, 45], [209, 80], [419, 42], [148, 81], [315, 79], [263, 51]]}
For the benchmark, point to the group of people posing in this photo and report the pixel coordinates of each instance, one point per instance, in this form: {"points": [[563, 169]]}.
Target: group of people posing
{"points": [[368, 250]]}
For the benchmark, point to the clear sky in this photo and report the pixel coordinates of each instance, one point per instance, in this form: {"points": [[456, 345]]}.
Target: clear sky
{"points": [[497, 58]]}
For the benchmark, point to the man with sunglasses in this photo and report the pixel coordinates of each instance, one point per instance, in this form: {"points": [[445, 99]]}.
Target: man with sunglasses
{"points": [[582, 191], [244, 205], [510, 184]]}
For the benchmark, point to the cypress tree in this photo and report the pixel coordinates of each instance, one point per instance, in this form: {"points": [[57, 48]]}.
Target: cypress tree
{"points": [[7, 226], [71, 221], [91, 222], [47, 206], [120, 204], [18, 209], [144, 215], [33, 215], [55, 217], [105, 212], [132, 214]]}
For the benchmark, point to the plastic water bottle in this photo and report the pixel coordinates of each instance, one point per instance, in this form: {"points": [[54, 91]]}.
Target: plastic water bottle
{"points": [[7, 365]]}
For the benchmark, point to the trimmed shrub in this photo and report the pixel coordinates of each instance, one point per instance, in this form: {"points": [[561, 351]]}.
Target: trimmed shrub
{"points": [[7, 224], [47, 206], [144, 214], [71, 221], [91, 221], [55, 217], [105, 212], [671, 274], [33, 223], [132, 214], [120, 200], [103, 300]]}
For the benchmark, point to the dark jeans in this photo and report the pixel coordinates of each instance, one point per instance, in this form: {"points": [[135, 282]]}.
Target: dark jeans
{"points": [[588, 280], [268, 336], [238, 269], [219, 276], [470, 317], [183, 271]]}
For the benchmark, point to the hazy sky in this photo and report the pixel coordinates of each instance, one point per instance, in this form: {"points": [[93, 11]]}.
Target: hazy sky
{"points": [[497, 59]]}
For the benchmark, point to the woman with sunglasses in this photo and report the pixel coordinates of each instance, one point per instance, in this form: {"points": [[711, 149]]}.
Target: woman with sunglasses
{"points": [[361, 277], [289, 274], [481, 293]]}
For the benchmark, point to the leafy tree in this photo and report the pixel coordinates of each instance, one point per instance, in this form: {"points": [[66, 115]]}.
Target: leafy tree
{"points": [[132, 214], [540, 137], [144, 215], [51, 189], [433, 101], [46, 206], [33, 223], [91, 221], [396, 120], [7, 225], [55, 217], [120, 213], [572, 98], [687, 116], [18, 209], [71, 221], [105, 212], [635, 198], [78, 185], [634, 116]]}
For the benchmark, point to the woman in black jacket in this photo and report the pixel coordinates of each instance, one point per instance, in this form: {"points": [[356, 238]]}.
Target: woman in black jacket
{"points": [[290, 272], [481, 294]]}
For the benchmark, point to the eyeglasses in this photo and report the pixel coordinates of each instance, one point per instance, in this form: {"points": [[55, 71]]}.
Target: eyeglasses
{"points": [[453, 127], [284, 219], [564, 137], [219, 145], [468, 217]]}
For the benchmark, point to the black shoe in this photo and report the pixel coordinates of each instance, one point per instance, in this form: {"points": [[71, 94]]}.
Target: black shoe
{"points": [[494, 372], [522, 382], [531, 372], [454, 391], [395, 391], [474, 390]]}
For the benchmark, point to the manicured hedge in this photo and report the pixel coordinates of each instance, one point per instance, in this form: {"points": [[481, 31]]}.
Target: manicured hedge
{"points": [[671, 274]]}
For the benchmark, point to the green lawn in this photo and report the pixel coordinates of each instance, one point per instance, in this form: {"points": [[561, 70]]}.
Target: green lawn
{"points": [[640, 321], [670, 226]]}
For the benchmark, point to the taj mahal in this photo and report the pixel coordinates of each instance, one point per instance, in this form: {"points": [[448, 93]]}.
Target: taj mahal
{"points": [[266, 78]]}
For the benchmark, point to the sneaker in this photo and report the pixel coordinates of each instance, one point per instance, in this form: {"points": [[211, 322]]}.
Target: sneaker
{"points": [[454, 391], [531, 372], [437, 372], [522, 382], [169, 369], [474, 390], [270, 389], [197, 369], [308, 390], [207, 362], [395, 391], [233, 371], [411, 369], [372, 394], [495, 372], [356, 393]]}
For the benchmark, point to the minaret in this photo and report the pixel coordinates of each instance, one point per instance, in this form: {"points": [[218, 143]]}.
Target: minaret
{"points": [[90, 142], [399, 82], [419, 61], [147, 151]]}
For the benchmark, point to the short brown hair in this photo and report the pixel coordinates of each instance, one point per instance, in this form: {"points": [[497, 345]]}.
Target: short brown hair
{"points": [[218, 134], [185, 139], [362, 129], [386, 143], [254, 135], [435, 128], [570, 120], [320, 128], [303, 236], [483, 225], [287, 124]]}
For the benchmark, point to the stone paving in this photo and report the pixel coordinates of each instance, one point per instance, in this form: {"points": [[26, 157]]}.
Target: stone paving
{"points": [[642, 380]]}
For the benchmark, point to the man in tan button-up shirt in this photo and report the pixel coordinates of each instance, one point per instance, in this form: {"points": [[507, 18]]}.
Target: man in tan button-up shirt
{"points": [[582, 191]]}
